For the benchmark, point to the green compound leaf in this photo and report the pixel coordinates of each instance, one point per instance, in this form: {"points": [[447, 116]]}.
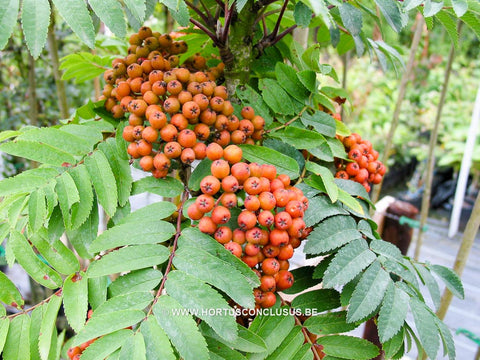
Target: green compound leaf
{"points": [[35, 21], [157, 344], [111, 13], [8, 19], [17, 345], [368, 293], [76, 15], [392, 313], [181, 329], [348, 263], [75, 300], [129, 258], [348, 347]]}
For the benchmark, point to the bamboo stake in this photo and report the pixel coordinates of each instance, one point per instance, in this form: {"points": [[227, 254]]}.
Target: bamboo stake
{"points": [[431, 153], [398, 105], [467, 242], [60, 85]]}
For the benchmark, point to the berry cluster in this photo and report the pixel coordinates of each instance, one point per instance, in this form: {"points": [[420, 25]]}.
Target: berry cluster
{"points": [[268, 228], [364, 167], [173, 112]]}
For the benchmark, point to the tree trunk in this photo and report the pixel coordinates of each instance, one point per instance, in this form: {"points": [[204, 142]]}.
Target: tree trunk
{"points": [[431, 153], [398, 105], [238, 53], [60, 85]]}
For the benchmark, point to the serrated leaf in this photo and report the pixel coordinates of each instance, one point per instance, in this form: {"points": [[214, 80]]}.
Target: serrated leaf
{"points": [[391, 13], [181, 329], [192, 237], [351, 18], [330, 323], [58, 139], [332, 233], [432, 286], [37, 210], [75, 299], [9, 293], [273, 330], [129, 258], [200, 171], [138, 8], [303, 280], [450, 26], [323, 177], [220, 351], [75, 14], [355, 189], [4, 325], [129, 301], [299, 138], [285, 149], [110, 12], [350, 202], [8, 19], [139, 280], [43, 153], [247, 340], [386, 249], [193, 294], [215, 271], [68, 195], [133, 348], [320, 300], [430, 7], [80, 211], [250, 97], [108, 323], [60, 257], [289, 346], [426, 327], [103, 181], [105, 345], [393, 345], [26, 181], [348, 262], [82, 237], [120, 168], [451, 280], [35, 21], [17, 345], [157, 345], [447, 339], [277, 98], [460, 7], [320, 208], [308, 78], [25, 256], [287, 78], [85, 66], [304, 353], [262, 155], [320, 121], [151, 232], [348, 347], [97, 291], [302, 14], [48, 325], [320, 8], [87, 134], [368, 293], [168, 187]]}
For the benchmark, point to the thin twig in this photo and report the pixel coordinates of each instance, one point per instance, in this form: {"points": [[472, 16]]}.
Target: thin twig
{"points": [[174, 248], [26, 311], [283, 33], [279, 20], [228, 20], [202, 27], [199, 12], [265, 30], [296, 117], [209, 14]]}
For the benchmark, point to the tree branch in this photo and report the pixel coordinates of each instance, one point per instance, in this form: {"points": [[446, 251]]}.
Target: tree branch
{"points": [[207, 31], [199, 12], [228, 20]]}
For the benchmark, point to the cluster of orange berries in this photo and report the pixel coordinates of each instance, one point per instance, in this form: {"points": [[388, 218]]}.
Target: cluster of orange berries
{"points": [[268, 228], [173, 112], [365, 168]]}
